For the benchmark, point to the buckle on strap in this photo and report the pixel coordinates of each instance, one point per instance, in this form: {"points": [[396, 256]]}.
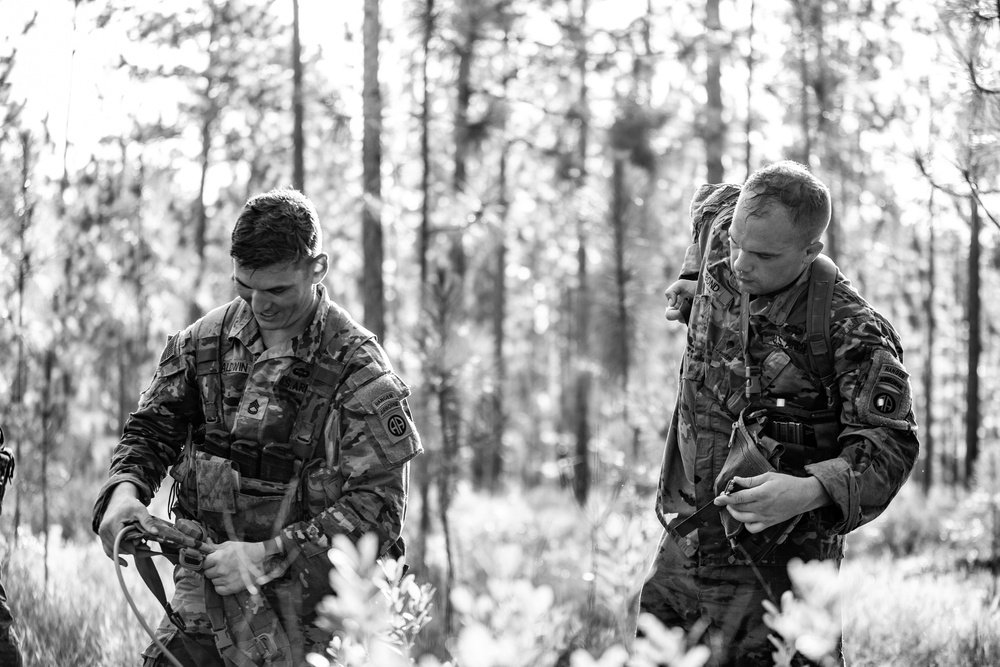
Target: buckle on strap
{"points": [[265, 645]]}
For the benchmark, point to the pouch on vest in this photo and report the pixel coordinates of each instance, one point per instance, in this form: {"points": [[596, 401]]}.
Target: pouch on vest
{"points": [[750, 455]]}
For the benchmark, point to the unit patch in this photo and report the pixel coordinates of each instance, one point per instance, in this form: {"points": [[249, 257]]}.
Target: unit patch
{"points": [[884, 398], [390, 412]]}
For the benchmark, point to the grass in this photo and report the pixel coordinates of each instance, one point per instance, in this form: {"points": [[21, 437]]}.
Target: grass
{"points": [[81, 617], [913, 612], [907, 598]]}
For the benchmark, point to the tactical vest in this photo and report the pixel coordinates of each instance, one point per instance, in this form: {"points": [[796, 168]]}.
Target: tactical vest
{"points": [[211, 345]]}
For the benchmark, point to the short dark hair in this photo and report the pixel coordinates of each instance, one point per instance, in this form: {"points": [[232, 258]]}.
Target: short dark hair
{"points": [[792, 186], [276, 227]]}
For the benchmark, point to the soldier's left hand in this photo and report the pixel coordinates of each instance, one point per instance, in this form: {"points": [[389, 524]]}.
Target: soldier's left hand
{"points": [[235, 566], [769, 499]]}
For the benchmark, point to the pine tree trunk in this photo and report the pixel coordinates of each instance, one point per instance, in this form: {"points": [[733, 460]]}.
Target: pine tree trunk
{"points": [[298, 136], [715, 137], [928, 426], [975, 347], [372, 286], [582, 362]]}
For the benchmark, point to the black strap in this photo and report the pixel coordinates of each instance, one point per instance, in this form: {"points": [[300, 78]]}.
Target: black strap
{"points": [[151, 577], [208, 355], [752, 370], [819, 304]]}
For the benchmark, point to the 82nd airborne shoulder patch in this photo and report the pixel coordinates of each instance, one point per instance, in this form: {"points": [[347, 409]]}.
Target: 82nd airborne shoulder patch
{"points": [[390, 412], [884, 399]]}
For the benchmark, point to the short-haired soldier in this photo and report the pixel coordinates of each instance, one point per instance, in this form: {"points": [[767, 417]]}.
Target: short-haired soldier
{"points": [[282, 424], [793, 423]]}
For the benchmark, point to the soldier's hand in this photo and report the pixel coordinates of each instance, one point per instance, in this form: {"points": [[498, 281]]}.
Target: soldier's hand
{"points": [[766, 500], [235, 566], [679, 296], [123, 507]]}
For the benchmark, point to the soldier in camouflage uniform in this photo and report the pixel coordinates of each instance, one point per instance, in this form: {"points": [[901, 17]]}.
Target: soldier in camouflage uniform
{"points": [[765, 246], [282, 423]]}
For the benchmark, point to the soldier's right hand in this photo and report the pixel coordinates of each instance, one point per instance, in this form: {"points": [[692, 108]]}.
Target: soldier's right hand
{"points": [[123, 507], [679, 296]]}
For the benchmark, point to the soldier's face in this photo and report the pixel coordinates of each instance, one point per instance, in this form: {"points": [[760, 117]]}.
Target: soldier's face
{"points": [[282, 296], [766, 252]]}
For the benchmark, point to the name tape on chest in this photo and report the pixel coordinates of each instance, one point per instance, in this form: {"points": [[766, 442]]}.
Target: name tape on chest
{"points": [[389, 409], [884, 399]]}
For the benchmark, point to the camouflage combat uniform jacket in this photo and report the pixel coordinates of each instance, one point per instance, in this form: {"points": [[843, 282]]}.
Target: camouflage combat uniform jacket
{"points": [[877, 443], [366, 455]]}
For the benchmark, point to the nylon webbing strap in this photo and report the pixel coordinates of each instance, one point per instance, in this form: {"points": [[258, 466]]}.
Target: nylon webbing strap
{"points": [[819, 303], [326, 375], [208, 355], [696, 520], [151, 577], [753, 371], [247, 630]]}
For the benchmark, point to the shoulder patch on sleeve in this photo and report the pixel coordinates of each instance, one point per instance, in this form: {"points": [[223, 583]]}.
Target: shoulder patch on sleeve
{"points": [[884, 397], [172, 348]]}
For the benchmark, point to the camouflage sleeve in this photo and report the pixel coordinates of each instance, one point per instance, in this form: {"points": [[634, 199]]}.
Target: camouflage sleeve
{"points": [[375, 439], [878, 441], [156, 432]]}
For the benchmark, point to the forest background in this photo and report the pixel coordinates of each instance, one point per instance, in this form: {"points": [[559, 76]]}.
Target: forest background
{"points": [[504, 189]]}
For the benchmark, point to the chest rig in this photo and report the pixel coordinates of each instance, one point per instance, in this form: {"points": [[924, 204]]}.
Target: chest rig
{"points": [[804, 431], [265, 465], [808, 435]]}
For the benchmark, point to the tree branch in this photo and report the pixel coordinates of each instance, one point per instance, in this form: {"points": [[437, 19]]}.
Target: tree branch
{"points": [[973, 190]]}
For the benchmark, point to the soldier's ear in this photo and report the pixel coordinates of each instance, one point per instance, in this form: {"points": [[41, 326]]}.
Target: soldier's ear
{"points": [[320, 265], [813, 250]]}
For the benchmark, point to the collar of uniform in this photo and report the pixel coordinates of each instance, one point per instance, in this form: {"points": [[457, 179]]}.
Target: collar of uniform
{"points": [[244, 328], [778, 306], [306, 344]]}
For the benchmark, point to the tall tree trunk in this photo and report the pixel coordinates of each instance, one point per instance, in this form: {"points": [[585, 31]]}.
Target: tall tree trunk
{"points": [[494, 456], [619, 235], [422, 467], [748, 126], [25, 221], [298, 137], [582, 375], [372, 287], [801, 14], [975, 346], [48, 419], [928, 430], [715, 130], [211, 97], [468, 35]]}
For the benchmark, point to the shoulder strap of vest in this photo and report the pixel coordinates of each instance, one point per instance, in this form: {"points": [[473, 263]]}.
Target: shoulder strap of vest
{"points": [[209, 339], [327, 374], [822, 281]]}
